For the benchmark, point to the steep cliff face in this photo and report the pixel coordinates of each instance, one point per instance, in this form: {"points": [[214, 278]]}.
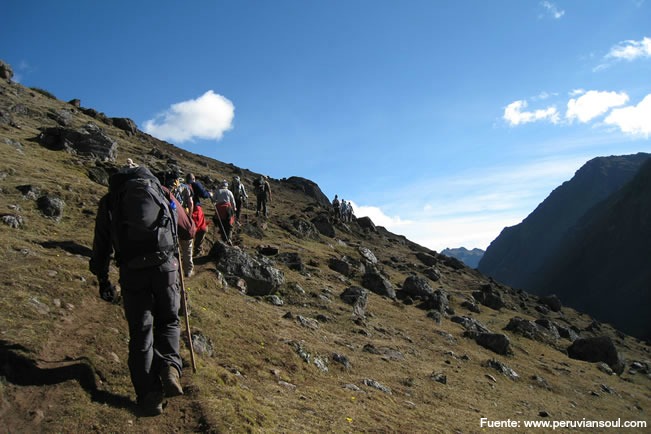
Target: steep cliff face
{"points": [[517, 254], [604, 267]]}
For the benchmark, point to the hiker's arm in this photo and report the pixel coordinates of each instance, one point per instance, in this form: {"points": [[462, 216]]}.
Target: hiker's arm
{"points": [[102, 247], [203, 193]]}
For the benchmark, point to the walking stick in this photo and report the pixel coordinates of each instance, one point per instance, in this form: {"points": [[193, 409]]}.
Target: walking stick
{"points": [[184, 306]]}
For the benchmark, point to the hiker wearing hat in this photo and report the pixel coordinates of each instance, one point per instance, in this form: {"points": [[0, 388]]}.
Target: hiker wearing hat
{"points": [[239, 192], [225, 210]]}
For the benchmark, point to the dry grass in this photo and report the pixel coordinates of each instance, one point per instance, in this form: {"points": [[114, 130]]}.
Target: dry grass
{"points": [[51, 318]]}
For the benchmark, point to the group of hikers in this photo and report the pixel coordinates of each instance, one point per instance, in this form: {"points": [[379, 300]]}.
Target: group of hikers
{"points": [[154, 227], [342, 210]]}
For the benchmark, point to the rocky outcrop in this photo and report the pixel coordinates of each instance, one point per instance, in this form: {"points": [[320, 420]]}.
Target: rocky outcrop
{"points": [[261, 277], [6, 72], [308, 187], [89, 140]]}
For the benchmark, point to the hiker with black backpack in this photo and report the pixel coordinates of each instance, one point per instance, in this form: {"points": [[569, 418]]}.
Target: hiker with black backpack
{"points": [[225, 210], [262, 191], [198, 193], [139, 223], [239, 193]]}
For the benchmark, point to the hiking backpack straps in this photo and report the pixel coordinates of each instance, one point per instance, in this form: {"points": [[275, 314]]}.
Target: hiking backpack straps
{"points": [[143, 221]]}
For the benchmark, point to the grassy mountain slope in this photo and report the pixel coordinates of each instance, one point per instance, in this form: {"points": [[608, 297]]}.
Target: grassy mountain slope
{"points": [[63, 351]]}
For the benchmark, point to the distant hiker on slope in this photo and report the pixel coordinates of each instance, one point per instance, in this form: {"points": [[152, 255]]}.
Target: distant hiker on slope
{"points": [[239, 193], [139, 223], [335, 208], [262, 191], [198, 193], [225, 209]]}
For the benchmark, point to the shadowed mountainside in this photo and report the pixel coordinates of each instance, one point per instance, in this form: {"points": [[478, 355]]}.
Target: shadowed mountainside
{"points": [[604, 267], [519, 251]]}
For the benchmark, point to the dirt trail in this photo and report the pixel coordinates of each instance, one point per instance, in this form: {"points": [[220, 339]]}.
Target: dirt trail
{"points": [[42, 392]]}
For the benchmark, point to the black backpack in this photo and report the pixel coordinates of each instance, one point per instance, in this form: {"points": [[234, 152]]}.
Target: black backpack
{"points": [[143, 221]]}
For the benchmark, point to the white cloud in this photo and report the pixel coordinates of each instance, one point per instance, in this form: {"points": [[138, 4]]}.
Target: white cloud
{"points": [[206, 117], [514, 114], [631, 50], [592, 104], [634, 120], [378, 216], [552, 9], [626, 50], [577, 92]]}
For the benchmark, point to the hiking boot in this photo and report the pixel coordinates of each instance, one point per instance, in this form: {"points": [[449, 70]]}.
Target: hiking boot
{"points": [[169, 375], [152, 404]]}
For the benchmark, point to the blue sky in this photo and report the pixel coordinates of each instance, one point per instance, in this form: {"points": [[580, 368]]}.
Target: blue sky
{"points": [[444, 121]]}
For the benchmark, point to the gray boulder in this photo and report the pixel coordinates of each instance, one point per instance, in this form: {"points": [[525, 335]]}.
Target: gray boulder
{"points": [[597, 349], [531, 330], [6, 71], [496, 342], [366, 223], [552, 302], [426, 258], [368, 256], [125, 124], [261, 277], [374, 281], [417, 287], [489, 296], [324, 226], [51, 207]]}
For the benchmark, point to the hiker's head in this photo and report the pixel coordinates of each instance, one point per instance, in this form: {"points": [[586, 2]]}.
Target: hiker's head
{"points": [[130, 163], [223, 184], [189, 177]]}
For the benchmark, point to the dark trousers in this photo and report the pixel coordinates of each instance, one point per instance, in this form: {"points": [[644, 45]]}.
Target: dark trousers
{"points": [[238, 205], [262, 204], [151, 304]]}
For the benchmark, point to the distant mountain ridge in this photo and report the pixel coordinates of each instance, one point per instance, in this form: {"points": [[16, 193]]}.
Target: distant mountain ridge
{"points": [[574, 244], [519, 251], [469, 257]]}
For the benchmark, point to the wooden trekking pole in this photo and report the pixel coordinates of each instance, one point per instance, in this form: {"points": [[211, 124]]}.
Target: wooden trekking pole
{"points": [[184, 306]]}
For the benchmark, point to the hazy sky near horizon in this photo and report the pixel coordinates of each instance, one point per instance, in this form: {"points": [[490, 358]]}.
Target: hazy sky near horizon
{"points": [[444, 121]]}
